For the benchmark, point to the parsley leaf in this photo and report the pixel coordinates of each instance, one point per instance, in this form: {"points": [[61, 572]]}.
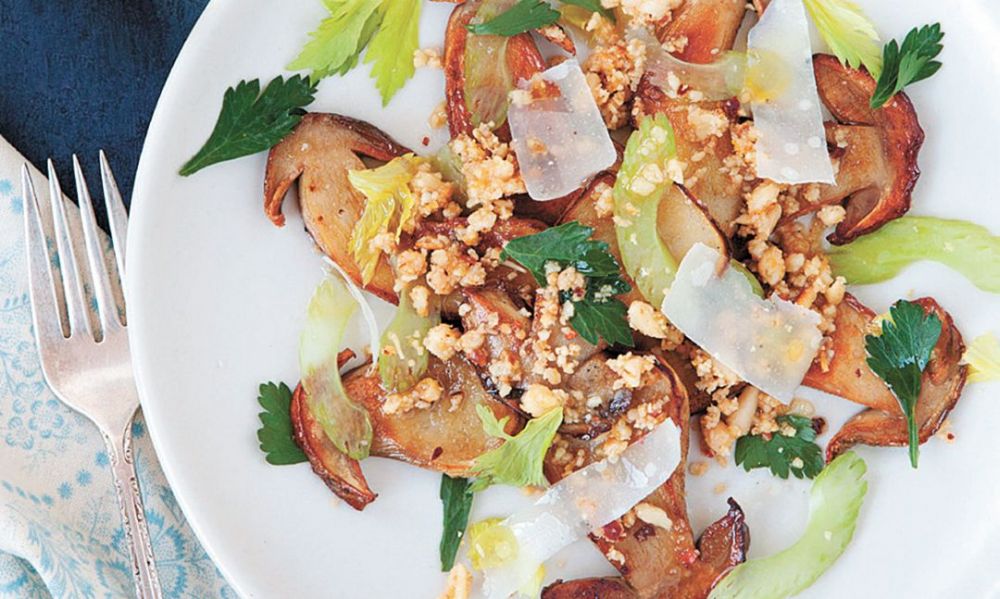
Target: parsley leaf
{"points": [[392, 48], [518, 462], [456, 499], [849, 33], [798, 454], [523, 16], [598, 313], [909, 63], [251, 121], [335, 45], [592, 6], [900, 354], [602, 319], [276, 435]]}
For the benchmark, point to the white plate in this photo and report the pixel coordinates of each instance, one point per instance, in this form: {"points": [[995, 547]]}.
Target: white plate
{"points": [[217, 296]]}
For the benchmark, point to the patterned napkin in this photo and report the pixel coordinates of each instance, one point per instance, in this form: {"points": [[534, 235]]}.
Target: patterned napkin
{"points": [[60, 533]]}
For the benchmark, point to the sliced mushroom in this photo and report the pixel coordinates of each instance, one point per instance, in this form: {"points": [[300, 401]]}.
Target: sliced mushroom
{"points": [[444, 437], [708, 26], [941, 387], [658, 562], [589, 588], [341, 473], [878, 169], [318, 153], [683, 220], [708, 177], [469, 103], [495, 313]]}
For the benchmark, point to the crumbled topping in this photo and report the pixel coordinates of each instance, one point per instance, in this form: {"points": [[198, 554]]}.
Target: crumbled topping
{"points": [[644, 11], [613, 72], [452, 268], [427, 57], [707, 123], [420, 297], [649, 321], [604, 205], [647, 512], [420, 397], [489, 166], [459, 585], [442, 341], [630, 368], [439, 117], [540, 399], [505, 371]]}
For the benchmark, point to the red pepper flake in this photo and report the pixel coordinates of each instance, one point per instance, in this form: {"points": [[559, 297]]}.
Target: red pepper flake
{"points": [[426, 140], [689, 556], [571, 335], [614, 531]]}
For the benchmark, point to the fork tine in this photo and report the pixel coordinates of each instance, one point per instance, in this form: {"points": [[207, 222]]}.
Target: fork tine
{"points": [[106, 305], [117, 216], [72, 286], [43, 293]]}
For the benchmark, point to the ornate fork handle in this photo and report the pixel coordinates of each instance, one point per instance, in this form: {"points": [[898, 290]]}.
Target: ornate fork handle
{"points": [[147, 584]]}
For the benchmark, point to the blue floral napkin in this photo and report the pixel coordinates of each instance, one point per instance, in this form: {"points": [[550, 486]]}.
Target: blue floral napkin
{"points": [[60, 533]]}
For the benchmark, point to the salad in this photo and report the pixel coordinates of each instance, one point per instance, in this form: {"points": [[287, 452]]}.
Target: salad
{"points": [[644, 226]]}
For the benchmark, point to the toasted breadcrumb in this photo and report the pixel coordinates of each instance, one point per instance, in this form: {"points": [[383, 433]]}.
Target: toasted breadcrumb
{"points": [[442, 341], [540, 399], [459, 584], [422, 396]]}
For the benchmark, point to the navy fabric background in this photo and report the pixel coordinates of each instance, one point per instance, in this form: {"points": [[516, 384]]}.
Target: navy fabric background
{"points": [[83, 75]]}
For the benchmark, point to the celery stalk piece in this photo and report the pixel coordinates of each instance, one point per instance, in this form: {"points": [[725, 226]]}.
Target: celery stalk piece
{"points": [[966, 247], [403, 360], [834, 504], [344, 422], [642, 181]]}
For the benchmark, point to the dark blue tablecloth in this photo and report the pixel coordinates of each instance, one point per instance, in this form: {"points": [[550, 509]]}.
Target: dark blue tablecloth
{"points": [[81, 75]]}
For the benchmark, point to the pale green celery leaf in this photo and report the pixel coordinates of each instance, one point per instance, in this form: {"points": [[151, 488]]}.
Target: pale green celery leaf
{"points": [[518, 462], [391, 50], [403, 361], [336, 41], [851, 35], [834, 503], [983, 358], [389, 207], [966, 247], [345, 423], [644, 255]]}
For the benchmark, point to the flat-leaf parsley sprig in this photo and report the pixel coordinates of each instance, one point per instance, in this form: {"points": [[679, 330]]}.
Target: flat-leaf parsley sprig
{"points": [[909, 63], [798, 453], [276, 434], [598, 313], [526, 15], [899, 356], [252, 121]]}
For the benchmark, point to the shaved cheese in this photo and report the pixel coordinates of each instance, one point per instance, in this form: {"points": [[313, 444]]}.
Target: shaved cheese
{"points": [[580, 504], [791, 142], [768, 343], [558, 133]]}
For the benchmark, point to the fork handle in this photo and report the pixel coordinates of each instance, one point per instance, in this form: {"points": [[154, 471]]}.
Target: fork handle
{"points": [[147, 583]]}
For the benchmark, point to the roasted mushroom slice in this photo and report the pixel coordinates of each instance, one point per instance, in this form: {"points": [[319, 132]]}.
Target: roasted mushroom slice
{"points": [[318, 153], [702, 133], [702, 29], [480, 70], [504, 327], [655, 562], [342, 474], [876, 178], [589, 588], [941, 386], [445, 437]]}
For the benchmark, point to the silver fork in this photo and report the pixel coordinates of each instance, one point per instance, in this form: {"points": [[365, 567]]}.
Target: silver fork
{"points": [[90, 373]]}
